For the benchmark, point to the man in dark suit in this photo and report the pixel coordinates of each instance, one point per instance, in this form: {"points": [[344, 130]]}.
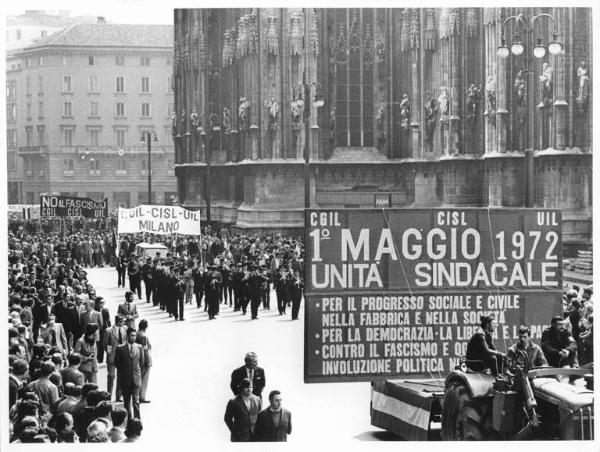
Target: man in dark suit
{"points": [[40, 312], [212, 289], [67, 314], [296, 292], [147, 278], [274, 423], [128, 310], [252, 372], [129, 360], [135, 280], [241, 413], [105, 325]]}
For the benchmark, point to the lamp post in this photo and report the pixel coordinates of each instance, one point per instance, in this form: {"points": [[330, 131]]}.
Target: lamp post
{"points": [[148, 137], [518, 48], [206, 142], [305, 103]]}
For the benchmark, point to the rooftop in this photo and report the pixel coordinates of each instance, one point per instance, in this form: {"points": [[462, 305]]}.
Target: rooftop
{"points": [[109, 35]]}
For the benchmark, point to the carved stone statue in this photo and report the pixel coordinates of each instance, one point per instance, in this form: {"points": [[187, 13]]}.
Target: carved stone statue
{"points": [[380, 118], [583, 91], [520, 92], [443, 103], [244, 113], [296, 115], [174, 125], [430, 113], [473, 99], [226, 120], [546, 82], [184, 122], [273, 107], [490, 93], [195, 118], [332, 124], [405, 112]]}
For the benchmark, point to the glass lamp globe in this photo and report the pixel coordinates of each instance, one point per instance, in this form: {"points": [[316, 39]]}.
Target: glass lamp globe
{"points": [[517, 48], [503, 52], [555, 47], [539, 51]]}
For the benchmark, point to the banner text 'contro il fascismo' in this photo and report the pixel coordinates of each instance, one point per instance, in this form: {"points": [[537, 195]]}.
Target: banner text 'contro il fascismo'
{"points": [[400, 291]]}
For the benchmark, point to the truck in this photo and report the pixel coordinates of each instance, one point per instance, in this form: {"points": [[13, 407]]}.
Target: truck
{"points": [[520, 403]]}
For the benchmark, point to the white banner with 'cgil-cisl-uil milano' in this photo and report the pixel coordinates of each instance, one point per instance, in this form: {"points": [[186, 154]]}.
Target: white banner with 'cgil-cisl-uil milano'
{"points": [[159, 220]]}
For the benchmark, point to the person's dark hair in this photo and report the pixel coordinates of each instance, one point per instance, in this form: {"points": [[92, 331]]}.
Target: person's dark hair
{"points": [[74, 359], [28, 434], [590, 318], [134, 428], [62, 420], [118, 415], [56, 378], [130, 330], [485, 320], [524, 330], [47, 369], [143, 324], [556, 319], [103, 409], [15, 349], [93, 397], [56, 359], [20, 366], [87, 388], [13, 332], [273, 394]]}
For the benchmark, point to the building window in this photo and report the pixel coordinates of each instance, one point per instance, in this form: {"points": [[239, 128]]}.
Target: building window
{"points": [[170, 109], [145, 110], [169, 85], [41, 61], [69, 164], [94, 109], [90, 60], [145, 61], [67, 137], [67, 109], [120, 60], [168, 61], [120, 88], [11, 90], [44, 33], [145, 85], [28, 62], [40, 110], [67, 84], [94, 137], [120, 138], [18, 35], [94, 165], [11, 138], [41, 85], [12, 164], [11, 112], [120, 113], [144, 164], [28, 86], [28, 110], [93, 84], [28, 136], [64, 60], [41, 130], [122, 164]]}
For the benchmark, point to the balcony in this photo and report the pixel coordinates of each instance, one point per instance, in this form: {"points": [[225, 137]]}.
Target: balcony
{"points": [[33, 150], [121, 172], [68, 173], [95, 173], [157, 149]]}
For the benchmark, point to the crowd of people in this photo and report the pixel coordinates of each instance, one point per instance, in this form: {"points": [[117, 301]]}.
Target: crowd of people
{"points": [[217, 269], [60, 331], [567, 342]]}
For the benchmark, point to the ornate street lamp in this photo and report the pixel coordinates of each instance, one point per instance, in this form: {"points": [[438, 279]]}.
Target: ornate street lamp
{"points": [[538, 51], [148, 137]]}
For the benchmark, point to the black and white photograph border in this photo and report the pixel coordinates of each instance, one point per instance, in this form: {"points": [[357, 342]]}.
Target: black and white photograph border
{"points": [[463, 122]]}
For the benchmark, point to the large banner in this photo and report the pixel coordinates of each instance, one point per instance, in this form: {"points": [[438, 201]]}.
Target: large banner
{"points": [[396, 292], [70, 206], [159, 220], [24, 211]]}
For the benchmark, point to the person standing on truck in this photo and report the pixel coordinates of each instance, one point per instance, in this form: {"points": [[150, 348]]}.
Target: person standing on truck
{"points": [[535, 356], [481, 350]]}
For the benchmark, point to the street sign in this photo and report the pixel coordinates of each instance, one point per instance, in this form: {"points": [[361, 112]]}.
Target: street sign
{"points": [[382, 200], [399, 292]]}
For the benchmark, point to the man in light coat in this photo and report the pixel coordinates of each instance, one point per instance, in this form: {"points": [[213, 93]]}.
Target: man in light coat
{"points": [[129, 361], [116, 335]]}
